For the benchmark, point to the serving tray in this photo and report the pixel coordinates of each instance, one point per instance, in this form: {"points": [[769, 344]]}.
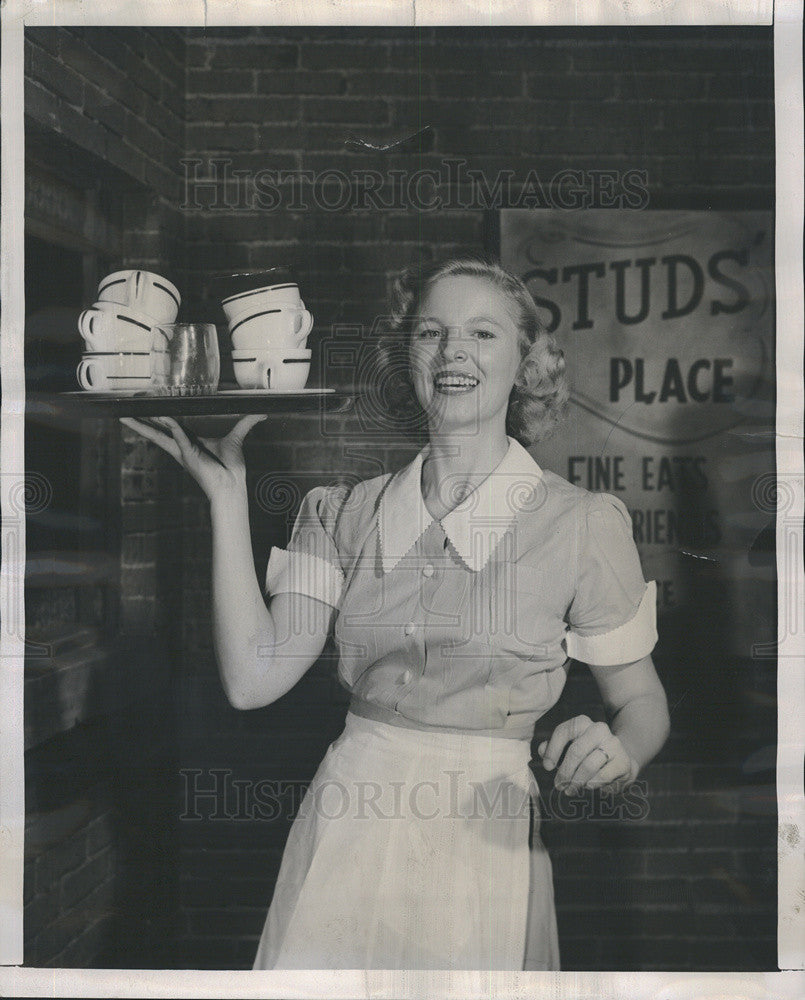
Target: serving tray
{"points": [[135, 402]]}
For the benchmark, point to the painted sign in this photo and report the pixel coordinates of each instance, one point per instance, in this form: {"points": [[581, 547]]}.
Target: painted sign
{"points": [[667, 322]]}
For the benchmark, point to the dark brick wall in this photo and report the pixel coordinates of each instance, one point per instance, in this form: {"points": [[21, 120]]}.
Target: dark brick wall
{"points": [[71, 878], [106, 107], [105, 115], [689, 885], [119, 94], [101, 879], [692, 109]]}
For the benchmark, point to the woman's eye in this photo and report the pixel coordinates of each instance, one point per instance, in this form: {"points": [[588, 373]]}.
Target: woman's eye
{"points": [[429, 331], [483, 334]]}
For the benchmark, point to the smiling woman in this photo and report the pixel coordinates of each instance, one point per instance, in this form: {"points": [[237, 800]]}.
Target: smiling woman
{"points": [[461, 585], [457, 588], [498, 314], [474, 358]]}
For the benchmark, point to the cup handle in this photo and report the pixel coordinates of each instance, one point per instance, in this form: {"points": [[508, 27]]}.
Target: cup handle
{"points": [[133, 284], [307, 325], [82, 374], [83, 323]]}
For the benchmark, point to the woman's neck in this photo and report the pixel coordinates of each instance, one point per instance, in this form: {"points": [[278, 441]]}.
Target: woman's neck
{"points": [[455, 465]]}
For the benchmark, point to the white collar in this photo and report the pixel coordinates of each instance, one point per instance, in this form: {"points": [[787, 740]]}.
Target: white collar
{"points": [[475, 526]]}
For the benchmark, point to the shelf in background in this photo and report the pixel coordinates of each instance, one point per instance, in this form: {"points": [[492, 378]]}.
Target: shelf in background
{"points": [[74, 676], [223, 402]]}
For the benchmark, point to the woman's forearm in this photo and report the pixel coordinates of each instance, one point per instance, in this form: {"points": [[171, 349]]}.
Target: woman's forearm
{"points": [[242, 625], [642, 725]]}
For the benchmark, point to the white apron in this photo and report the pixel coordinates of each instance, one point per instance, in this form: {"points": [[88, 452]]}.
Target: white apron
{"points": [[411, 851]]}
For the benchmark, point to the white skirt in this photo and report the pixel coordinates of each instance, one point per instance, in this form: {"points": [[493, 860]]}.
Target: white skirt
{"points": [[411, 851]]}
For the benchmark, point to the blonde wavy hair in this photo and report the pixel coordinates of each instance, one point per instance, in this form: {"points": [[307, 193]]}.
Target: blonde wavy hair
{"points": [[539, 397]]}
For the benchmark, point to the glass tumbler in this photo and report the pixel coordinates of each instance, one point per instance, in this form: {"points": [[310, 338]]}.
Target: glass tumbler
{"points": [[185, 359]]}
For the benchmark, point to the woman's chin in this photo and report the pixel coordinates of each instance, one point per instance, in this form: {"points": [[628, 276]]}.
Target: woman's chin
{"points": [[453, 419]]}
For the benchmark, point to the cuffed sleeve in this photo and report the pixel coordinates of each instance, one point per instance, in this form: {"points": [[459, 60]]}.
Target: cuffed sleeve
{"points": [[310, 564], [612, 618]]}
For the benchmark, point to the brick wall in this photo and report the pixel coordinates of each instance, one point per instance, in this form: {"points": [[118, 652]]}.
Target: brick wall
{"points": [[108, 107], [100, 885], [70, 884], [692, 110], [117, 94], [105, 115]]}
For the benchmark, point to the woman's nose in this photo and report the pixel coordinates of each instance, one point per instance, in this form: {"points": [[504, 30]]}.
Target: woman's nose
{"points": [[453, 344]]}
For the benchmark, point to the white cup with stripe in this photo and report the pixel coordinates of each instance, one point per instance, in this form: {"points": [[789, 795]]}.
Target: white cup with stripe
{"points": [[108, 371], [108, 326], [272, 329], [284, 294], [143, 291], [262, 369]]}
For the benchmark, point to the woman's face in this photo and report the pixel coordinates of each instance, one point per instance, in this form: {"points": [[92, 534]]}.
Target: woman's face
{"points": [[465, 354]]}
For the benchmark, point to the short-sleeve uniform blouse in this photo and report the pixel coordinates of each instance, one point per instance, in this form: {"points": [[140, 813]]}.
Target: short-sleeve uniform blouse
{"points": [[469, 622]]}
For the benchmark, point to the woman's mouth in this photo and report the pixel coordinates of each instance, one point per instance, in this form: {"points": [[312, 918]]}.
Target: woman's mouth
{"points": [[452, 383]]}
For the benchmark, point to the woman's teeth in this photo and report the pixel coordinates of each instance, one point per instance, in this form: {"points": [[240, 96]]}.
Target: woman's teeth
{"points": [[455, 383]]}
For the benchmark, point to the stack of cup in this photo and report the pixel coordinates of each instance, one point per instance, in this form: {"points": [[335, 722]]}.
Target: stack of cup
{"points": [[269, 328], [118, 330]]}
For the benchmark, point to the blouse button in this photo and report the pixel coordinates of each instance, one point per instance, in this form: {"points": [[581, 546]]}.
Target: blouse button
{"points": [[428, 570], [409, 628], [406, 677]]}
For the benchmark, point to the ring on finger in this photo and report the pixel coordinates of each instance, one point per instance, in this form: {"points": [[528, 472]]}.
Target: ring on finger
{"points": [[606, 755]]}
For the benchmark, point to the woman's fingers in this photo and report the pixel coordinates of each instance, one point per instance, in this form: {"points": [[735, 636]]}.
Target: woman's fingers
{"points": [[165, 441], [189, 449], [614, 775], [595, 735], [590, 767], [564, 733], [215, 463], [593, 756], [607, 758], [238, 433], [176, 429]]}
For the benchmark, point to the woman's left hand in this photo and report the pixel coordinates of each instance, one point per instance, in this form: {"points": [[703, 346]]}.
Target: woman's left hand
{"points": [[595, 757]]}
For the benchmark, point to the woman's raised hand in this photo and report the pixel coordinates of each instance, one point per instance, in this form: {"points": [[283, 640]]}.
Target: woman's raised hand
{"points": [[594, 757], [216, 464]]}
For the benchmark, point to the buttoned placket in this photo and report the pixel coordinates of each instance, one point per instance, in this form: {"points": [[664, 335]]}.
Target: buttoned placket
{"points": [[431, 556], [448, 544]]}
